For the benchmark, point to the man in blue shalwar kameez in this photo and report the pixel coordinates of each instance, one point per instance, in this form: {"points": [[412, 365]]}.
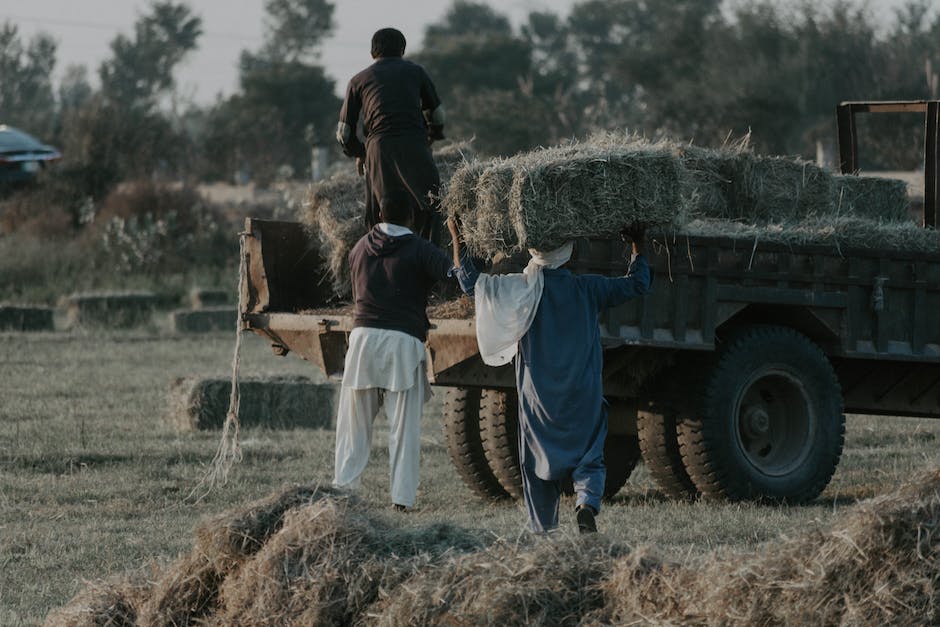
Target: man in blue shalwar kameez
{"points": [[547, 318]]}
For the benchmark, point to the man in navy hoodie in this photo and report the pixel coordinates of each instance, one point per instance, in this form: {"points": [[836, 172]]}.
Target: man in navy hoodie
{"points": [[392, 272]]}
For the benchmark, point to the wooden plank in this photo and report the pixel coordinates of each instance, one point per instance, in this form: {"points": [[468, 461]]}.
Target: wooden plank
{"points": [[710, 297], [919, 313], [881, 315]]}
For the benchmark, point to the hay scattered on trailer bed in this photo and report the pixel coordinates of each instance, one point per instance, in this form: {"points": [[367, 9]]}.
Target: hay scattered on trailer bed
{"points": [[333, 210], [111, 309], [275, 402], [841, 234], [311, 555], [26, 318]]}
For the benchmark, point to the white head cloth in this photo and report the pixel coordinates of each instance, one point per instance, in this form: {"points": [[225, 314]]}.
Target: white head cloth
{"points": [[506, 304]]}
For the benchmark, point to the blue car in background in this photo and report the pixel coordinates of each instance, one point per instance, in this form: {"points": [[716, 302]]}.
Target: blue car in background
{"points": [[22, 156]]}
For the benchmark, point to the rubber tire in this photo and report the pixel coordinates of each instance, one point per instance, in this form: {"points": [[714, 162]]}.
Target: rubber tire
{"points": [[659, 446], [499, 433], [709, 444], [461, 425], [621, 455]]}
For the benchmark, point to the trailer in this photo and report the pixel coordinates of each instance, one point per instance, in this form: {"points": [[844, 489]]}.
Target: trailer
{"points": [[730, 380]]}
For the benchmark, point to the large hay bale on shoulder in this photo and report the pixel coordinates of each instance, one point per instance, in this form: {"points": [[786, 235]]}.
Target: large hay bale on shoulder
{"points": [[205, 297], [275, 402], [111, 309], [203, 320], [871, 197], [26, 318], [543, 198]]}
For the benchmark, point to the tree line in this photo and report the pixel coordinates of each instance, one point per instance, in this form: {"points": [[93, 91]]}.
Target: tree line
{"points": [[698, 70]]}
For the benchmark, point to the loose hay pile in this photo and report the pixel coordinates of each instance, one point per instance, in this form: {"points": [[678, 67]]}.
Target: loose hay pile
{"points": [[311, 556], [333, 209], [275, 402]]}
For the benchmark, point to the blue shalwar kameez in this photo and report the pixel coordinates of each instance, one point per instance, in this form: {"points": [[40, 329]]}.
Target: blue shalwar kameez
{"points": [[559, 363]]}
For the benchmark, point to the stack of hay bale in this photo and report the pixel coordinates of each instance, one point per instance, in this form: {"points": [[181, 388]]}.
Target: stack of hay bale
{"points": [[26, 318], [210, 312], [121, 310], [333, 210], [593, 188]]}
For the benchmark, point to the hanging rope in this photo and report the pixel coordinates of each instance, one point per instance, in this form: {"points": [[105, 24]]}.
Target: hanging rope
{"points": [[228, 453]]}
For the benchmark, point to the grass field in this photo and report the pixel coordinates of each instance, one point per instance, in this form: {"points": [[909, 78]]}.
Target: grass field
{"points": [[93, 480]]}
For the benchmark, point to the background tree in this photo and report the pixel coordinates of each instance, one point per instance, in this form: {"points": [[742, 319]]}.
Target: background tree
{"points": [[284, 94], [27, 98]]}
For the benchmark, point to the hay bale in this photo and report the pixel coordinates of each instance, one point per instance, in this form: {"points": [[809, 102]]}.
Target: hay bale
{"points": [[203, 320], [111, 309], [871, 197], [275, 402], [26, 318], [333, 209], [206, 297]]}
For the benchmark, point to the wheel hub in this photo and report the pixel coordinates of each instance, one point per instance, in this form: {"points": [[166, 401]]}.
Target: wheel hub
{"points": [[757, 421]]}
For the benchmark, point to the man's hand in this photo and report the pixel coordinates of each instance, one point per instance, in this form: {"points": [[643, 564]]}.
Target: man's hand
{"points": [[635, 233], [360, 166]]}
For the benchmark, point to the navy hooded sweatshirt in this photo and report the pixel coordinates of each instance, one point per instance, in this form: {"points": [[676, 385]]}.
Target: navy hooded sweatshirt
{"points": [[391, 279]]}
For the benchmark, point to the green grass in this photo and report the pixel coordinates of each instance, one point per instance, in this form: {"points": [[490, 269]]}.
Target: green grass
{"points": [[93, 480]]}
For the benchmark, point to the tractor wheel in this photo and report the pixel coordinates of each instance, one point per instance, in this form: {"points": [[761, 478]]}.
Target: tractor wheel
{"points": [[462, 439], [659, 445], [771, 426], [621, 455], [499, 432]]}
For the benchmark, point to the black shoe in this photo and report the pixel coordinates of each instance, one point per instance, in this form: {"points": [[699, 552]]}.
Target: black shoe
{"points": [[586, 522], [399, 508]]}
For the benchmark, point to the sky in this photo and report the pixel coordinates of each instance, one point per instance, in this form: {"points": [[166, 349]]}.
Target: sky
{"points": [[83, 29]]}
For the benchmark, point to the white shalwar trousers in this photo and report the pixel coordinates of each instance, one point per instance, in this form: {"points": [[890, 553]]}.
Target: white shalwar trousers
{"points": [[359, 406]]}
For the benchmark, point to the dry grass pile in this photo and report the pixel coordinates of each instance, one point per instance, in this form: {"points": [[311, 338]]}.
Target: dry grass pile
{"points": [[26, 318], [111, 309], [103, 605], [333, 210], [549, 581], [274, 402], [203, 297], [311, 556], [880, 565], [593, 188], [203, 320], [460, 307], [307, 556]]}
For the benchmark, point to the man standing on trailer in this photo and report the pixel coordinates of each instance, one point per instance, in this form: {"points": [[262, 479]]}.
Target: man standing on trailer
{"points": [[546, 318], [401, 115], [392, 272]]}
